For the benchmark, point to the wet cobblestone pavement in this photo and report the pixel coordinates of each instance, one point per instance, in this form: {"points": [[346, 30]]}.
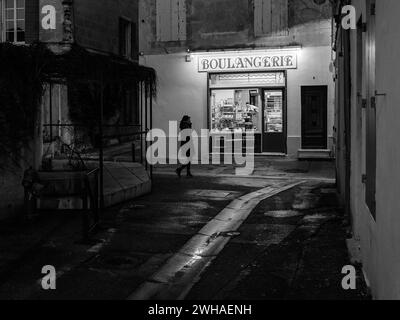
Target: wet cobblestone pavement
{"points": [[291, 246], [134, 241]]}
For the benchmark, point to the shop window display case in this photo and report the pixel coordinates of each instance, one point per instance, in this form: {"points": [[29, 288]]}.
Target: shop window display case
{"points": [[235, 111]]}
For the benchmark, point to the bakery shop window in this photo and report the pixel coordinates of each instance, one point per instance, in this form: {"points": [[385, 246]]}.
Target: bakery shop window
{"points": [[235, 110], [236, 100]]}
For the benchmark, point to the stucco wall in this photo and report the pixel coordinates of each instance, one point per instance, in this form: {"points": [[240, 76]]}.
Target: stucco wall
{"points": [[97, 22], [388, 152], [183, 90], [221, 24], [313, 70], [380, 239]]}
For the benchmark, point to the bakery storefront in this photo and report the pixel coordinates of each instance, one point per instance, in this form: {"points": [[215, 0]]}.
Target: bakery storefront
{"points": [[285, 96], [247, 93]]}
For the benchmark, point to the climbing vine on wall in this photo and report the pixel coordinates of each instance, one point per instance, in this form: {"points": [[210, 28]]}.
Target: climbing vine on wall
{"points": [[84, 106], [24, 71], [21, 89]]}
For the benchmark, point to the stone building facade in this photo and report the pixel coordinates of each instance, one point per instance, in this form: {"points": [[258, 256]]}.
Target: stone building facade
{"points": [[367, 113], [102, 27], [291, 106]]}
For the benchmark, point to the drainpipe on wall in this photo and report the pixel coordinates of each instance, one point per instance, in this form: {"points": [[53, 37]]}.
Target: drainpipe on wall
{"points": [[68, 24]]}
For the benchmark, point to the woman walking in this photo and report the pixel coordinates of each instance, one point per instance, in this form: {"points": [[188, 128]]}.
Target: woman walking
{"points": [[185, 124]]}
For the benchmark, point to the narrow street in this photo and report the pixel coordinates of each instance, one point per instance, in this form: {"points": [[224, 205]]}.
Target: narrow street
{"points": [[288, 243], [291, 247], [199, 150]]}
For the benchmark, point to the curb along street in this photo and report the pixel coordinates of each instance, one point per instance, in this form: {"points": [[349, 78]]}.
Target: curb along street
{"points": [[175, 279]]}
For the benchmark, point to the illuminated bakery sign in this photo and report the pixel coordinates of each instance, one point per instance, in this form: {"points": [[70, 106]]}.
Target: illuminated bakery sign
{"points": [[248, 62]]}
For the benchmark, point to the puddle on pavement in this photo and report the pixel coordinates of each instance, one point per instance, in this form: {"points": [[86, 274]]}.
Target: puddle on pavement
{"points": [[264, 234], [300, 171], [282, 214], [229, 234], [305, 199], [328, 191], [244, 182], [317, 217], [213, 194], [172, 207], [183, 208], [132, 207]]}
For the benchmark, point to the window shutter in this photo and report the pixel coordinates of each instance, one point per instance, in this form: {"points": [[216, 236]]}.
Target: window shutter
{"points": [[178, 20], [279, 21], [270, 17], [171, 20], [122, 40], [262, 17], [134, 42], [163, 8]]}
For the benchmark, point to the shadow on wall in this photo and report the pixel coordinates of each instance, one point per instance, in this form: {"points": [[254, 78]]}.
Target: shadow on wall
{"points": [[305, 11]]}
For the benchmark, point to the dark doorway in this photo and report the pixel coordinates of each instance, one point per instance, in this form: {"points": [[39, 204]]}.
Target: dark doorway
{"points": [[274, 121], [314, 102]]}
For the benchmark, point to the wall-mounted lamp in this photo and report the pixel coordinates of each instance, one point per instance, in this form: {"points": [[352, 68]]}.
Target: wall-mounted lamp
{"points": [[141, 53], [188, 58]]}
